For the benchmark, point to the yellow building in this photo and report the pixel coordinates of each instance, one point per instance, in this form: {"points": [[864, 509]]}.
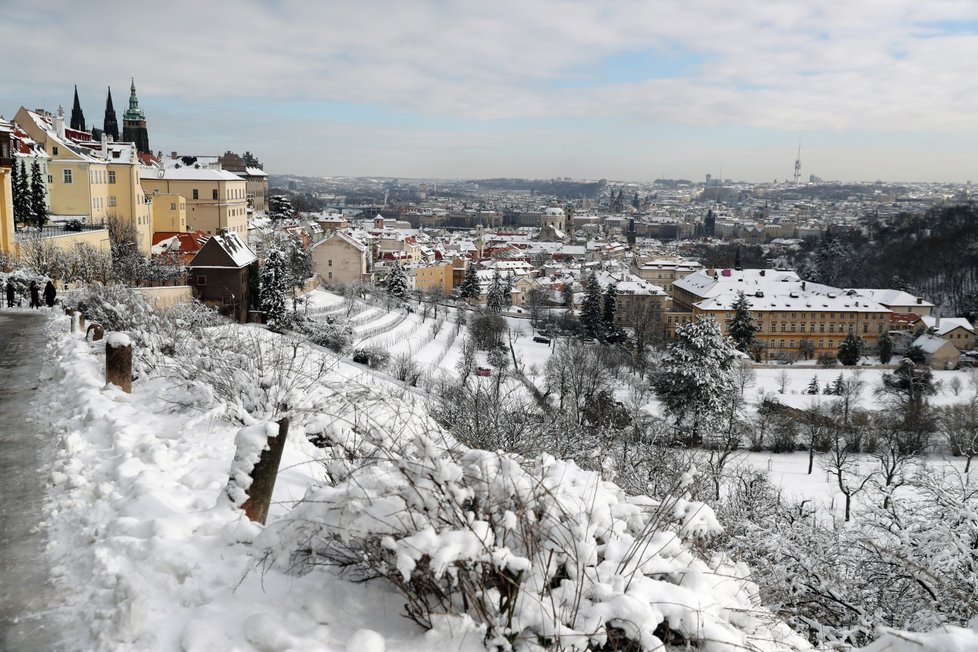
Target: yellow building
{"points": [[169, 212], [663, 271], [6, 196], [91, 181], [341, 259], [216, 200], [431, 277], [786, 309]]}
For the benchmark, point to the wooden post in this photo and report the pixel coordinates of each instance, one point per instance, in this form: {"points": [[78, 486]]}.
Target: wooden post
{"points": [[118, 362], [264, 474], [71, 317], [81, 321], [96, 330]]}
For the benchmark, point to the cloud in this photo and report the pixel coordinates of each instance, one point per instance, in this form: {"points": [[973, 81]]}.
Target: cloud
{"points": [[838, 65]]}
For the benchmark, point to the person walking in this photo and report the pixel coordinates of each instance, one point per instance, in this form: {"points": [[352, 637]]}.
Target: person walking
{"points": [[49, 294], [35, 295], [10, 294]]}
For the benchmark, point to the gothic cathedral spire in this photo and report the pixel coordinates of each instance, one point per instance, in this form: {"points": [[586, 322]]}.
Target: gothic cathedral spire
{"points": [[77, 117], [134, 123], [110, 124]]}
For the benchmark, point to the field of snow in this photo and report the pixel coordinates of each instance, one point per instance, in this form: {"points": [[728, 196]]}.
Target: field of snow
{"points": [[159, 558]]}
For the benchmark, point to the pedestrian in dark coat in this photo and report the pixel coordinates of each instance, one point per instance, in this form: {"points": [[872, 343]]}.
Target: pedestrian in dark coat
{"points": [[10, 294], [49, 294], [35, 295]]}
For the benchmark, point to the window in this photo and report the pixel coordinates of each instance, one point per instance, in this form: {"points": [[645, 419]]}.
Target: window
{"points": [[67, 176], [54, 150], [111, 176], [802, 328], [821, 344], [784, 327], [865, 327], [196, 194], [173, 206], [329, 263], [50, 178], [214, 193], [201, 280], [821, 328], [331, 275], [112, 202]]}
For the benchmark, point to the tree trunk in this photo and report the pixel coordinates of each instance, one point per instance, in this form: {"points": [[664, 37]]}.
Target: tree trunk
{"points": [[811, 455]]}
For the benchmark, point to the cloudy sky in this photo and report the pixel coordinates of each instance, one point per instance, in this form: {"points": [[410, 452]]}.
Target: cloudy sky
{"points": [[872, 89]]}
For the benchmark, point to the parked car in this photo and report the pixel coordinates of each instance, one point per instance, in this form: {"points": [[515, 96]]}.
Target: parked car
{"points": [[541, 339], [482, 371], [73, 225]]}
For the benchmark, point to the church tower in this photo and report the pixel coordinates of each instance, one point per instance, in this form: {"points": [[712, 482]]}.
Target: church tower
{"points": [[134, 124], [77, 117], [110, 124]]}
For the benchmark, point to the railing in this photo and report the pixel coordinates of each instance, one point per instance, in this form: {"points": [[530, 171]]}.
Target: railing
{"points": [[54, 230]]}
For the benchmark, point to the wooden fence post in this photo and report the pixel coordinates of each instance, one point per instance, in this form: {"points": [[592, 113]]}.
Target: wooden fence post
{"points": [[96, 330], [118, 361], [263, 475]]}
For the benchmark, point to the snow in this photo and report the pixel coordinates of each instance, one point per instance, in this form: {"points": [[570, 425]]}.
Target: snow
{"points": [[145, 529], [117, 340]]}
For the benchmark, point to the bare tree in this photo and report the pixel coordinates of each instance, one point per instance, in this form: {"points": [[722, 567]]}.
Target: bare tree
{"points": [[959, 426], [844, 465]]}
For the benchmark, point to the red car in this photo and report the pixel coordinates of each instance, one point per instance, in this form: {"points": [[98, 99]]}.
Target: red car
{"points": [[482, 371]]}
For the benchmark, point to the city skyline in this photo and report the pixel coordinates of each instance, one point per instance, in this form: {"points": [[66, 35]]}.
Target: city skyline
{"points": [[872, 89]]}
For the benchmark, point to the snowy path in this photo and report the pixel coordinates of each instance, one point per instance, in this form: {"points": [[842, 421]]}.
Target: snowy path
{"points": [[28, 602]]}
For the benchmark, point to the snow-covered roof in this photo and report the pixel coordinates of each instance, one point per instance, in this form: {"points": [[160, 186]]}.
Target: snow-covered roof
{"points": [[947, 324], [255, 172], [770, 290], [893, 297], [930, 343], [345, 238], [240, 254], [188, 174]]}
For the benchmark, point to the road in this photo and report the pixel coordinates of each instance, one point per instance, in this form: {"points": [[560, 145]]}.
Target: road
{"points": [[31, 617]]}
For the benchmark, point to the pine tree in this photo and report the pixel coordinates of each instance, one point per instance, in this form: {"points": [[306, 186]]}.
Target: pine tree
{"points": [[741, 327], [696, 379], [495, 298], [610, 330], [39, 208], [271, 299], [397, 283], [850, 350], [21, 194], [567, 295], [813, 387], [280, 207], [470, 289], [508, 290], [591, 311], [838, 386], [885, 345]]}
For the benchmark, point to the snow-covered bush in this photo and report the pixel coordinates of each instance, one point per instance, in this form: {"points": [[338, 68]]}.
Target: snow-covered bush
{"points": [[373, 356], [538, 553]]}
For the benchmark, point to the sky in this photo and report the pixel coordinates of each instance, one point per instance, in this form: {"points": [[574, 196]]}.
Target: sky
{"points": [[625, 90]]}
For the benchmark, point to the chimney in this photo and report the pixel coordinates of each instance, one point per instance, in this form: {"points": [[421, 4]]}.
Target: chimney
{"points": [[173, 155], [920, 300], [59, 123], [105, 146], [803, 286], [937, 322]]}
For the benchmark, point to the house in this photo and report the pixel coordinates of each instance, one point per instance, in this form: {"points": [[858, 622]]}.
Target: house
{"points": [[938, 352], [219, 274], [341, 259], [786, 309], [897, 300], [216, 200], [6, 194], [956, 330]]}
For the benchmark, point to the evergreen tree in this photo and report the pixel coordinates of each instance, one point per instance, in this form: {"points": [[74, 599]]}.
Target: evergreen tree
{"points": [[591, 311], [495, 298], [280, 207], [885, 347], [610, 330], [567, 295], [39, 209], [470, 288], [741, 327], [397, 283], [850, 350], [813, 386], [508, 290], [274, 285], [696, 379], [838, 386], [21, 193]]}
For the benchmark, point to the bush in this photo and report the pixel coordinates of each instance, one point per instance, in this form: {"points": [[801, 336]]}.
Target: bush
{"points": [[539, 554], [372, 356], [406, 369], [827, 360]]}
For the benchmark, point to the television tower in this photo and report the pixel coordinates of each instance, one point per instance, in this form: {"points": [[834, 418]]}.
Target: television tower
{"points": [[798, 164]]}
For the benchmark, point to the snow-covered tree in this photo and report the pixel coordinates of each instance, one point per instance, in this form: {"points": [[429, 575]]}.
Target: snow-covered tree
{"points": [[884, 347], [495, 298], [397, 283], [567, 295], [274, 285], [696, 376], [851, 349], [280, 207], [21, 193], [742, 328], [39, 209], [591, 309], [813, 387], [470, 288]]}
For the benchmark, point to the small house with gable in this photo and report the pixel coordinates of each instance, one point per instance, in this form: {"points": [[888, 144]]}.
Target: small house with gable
{"points": [[219, 275]]}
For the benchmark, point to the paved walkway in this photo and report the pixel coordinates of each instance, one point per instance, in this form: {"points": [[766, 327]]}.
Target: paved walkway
{"points": [[29, 609]]}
